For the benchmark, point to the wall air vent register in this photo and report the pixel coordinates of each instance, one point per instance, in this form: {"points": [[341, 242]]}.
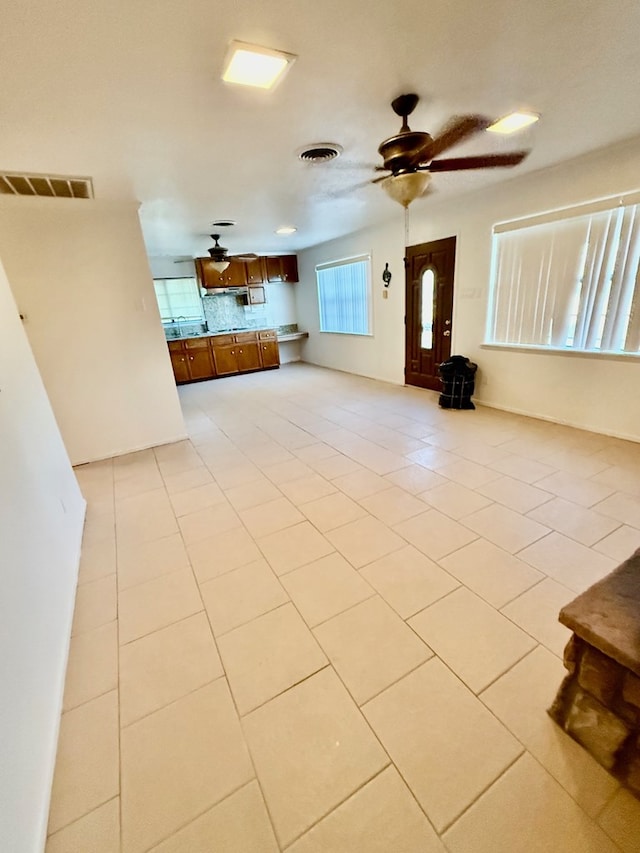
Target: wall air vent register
{"points": [[50, 186]]}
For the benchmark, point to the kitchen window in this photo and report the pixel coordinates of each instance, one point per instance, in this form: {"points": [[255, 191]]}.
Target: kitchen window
{"points": [[569, 281], [179, 300], [344, 296]]}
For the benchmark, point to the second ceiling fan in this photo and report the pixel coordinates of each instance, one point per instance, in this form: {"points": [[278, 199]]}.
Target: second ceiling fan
{"points": [[411, 156]]}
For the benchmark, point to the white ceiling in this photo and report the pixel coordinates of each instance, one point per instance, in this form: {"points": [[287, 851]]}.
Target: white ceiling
{"points": [[129, 92]]}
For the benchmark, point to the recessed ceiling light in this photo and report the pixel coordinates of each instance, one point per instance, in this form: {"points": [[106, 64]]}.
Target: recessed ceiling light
{"points": [[513, 122], [252, 65], [286, 229]]}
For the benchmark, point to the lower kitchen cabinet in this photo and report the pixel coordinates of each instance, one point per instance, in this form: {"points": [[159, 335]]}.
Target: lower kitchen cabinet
{"points": [[269, 352], [223, 355], [199, 358], [180, 366]]}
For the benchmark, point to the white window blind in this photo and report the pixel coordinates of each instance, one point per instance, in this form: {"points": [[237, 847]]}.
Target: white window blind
{"points": [[178, 299], [344, 296], [570, 283]]}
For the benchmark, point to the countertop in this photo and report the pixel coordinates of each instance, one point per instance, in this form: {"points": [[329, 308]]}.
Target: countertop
{"points": [[289, 336]]}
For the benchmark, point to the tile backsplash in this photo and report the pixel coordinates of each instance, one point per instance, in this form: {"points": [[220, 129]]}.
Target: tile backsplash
{"points": [[225, 311]]}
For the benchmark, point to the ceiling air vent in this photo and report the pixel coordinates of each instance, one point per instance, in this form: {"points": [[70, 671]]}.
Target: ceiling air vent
{"points": [[52, 186], [322, 152]]}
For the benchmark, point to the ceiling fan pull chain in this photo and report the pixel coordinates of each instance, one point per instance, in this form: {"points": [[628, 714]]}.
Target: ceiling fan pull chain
{"points": [[406, 226]]}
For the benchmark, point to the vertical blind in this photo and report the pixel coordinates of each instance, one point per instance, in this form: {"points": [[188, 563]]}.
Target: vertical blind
{"points": [[344, 296], [178, 298], [569, 283]]}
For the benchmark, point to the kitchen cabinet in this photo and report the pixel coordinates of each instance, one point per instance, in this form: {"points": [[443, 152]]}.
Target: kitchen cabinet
{"points": [[223, 355], [281, 268], [191, 359], [241, 356], [255, 271], [267, 268], [199, 358], [235, 274], [269, 352], [180, 366]]}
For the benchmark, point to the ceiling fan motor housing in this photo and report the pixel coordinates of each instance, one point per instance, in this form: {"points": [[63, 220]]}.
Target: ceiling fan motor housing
{"points": [[403, 152], [217, 252]]}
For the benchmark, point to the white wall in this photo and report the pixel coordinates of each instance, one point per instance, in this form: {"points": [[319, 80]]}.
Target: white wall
{"points": [[380, 356], [594, 393], [40, 532], [79, 274]]}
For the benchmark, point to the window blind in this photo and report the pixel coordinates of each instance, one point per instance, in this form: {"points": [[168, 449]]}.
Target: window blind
{"points": [[178, 298], [344, 296], [569, 283]]}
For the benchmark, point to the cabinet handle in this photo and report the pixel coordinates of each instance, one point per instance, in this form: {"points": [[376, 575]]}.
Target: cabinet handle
{"points": [[240, 350]]}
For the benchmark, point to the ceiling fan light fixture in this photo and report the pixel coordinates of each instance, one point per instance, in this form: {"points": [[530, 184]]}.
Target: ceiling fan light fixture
{"points": [[252, 65], [285, 230], [406, 187], [513, 122], [219, 266]]}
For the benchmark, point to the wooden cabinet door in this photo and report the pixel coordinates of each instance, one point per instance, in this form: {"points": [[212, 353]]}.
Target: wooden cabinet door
{"points": [[224, 357], [180, 365], [248, 355], [273, 268], [289, 267], [207, 276], [270, 353], [200, 363], [255, 272], [235, 274]]}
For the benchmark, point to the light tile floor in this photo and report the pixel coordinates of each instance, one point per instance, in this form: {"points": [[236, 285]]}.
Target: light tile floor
{"points": [[328, 622]]}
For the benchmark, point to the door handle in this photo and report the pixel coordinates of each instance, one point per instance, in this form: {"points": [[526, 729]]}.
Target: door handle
{"points": [[447, 333]]}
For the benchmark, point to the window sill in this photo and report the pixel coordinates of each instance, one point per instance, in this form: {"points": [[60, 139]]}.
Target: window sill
{"points": [[352, 334], [610, 356]]}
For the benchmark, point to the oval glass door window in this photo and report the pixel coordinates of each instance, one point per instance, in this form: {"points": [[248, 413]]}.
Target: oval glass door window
{"points": [[427, 292]]}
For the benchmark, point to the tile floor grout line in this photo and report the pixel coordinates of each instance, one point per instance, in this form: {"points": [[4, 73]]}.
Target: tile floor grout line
{"points": [[327, 665], [162, 627], [374, 593], [334, 808], [511, 666], [485, 790], [196, 817]]}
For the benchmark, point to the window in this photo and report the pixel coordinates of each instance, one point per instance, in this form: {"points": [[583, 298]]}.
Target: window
{"points": [[569, 283], [344, 296], [427, 294], [179, 299]]}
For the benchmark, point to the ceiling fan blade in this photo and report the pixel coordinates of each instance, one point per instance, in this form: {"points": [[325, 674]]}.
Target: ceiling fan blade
{"points": [[345, 191], [486, 161], [455, 131], [248, 256], [347, 165]]}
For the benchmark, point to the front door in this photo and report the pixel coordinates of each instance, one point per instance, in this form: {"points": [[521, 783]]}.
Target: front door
{"points": [[429, 309]]}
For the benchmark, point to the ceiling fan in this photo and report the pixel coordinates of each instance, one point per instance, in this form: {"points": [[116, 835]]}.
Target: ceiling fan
{"points": [[220, 257], [410, 157]]}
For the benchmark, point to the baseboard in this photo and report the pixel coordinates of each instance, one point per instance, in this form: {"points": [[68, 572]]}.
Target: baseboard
{"points": [[135, 449], [560, 421]]}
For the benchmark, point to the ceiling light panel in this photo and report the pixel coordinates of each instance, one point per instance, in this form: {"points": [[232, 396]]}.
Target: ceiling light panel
{"points": [[286, 229], [513, 122], [252, 65]]}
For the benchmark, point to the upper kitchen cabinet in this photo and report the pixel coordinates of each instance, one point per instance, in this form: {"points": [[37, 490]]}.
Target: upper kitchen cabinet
{"points": [[255, 271], [270, 268], [235, 274], [281, 268]]}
